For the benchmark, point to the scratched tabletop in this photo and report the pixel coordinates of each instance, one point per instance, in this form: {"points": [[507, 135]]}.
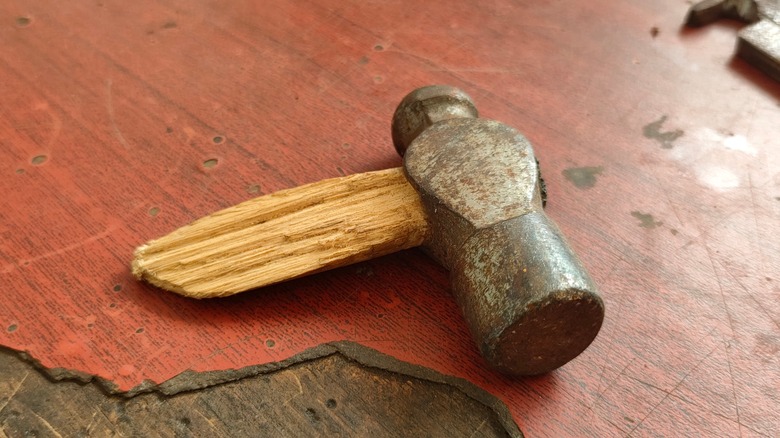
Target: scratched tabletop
{"points": [[122, 121]]}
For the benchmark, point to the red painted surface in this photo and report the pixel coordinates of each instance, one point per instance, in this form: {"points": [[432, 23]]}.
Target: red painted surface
{"points": [[122, 103]]}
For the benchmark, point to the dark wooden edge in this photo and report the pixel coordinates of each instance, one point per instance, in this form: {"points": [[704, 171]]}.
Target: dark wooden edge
{"points": [[193, 381]]}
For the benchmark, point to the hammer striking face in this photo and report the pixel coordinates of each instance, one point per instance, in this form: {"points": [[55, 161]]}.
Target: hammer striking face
{"points": [[472, 200]]}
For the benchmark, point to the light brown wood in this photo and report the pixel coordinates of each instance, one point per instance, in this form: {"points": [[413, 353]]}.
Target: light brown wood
{"points": [[287, 234]]}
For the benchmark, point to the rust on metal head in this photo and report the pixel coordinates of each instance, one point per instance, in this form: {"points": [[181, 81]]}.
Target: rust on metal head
{"points": [[526, 295], [528, 301], [471, 173]]}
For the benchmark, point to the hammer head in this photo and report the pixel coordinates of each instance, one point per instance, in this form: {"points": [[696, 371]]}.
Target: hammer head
{"points": [[526, 297]]}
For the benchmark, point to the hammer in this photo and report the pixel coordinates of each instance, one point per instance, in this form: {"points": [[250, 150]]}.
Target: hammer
{"points": [[469, 193]]}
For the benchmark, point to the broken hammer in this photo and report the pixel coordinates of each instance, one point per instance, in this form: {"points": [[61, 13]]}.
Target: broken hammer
{"points": [[469, 193]]}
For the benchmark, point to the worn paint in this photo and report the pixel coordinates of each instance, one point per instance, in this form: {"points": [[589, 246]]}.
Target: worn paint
{"points": [[646, 220], [583, 177], [665, 138], [715, 156]]}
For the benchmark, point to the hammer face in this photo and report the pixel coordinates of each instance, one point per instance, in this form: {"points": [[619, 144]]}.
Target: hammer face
{"points": [[525, 296]]}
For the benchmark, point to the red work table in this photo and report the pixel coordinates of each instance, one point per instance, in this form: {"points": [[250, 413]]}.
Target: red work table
{"points": [[122, 121]]}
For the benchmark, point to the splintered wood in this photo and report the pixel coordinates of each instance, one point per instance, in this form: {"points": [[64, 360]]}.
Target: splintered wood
{"points": [[285, 235]]}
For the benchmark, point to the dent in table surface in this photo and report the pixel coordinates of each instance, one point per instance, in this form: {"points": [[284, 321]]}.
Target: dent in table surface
{"points": [[121, 122]]}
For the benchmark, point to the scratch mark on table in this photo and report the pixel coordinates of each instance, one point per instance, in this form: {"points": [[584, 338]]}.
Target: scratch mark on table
{"points": [[154, 355], [508, 71], [705, 232], [13, 394], [665, 192], [298, 382], [92, 420], [478, 428], [733, 386], [56, 123], [669, 393], [11, 267], [337, 77], [453, 49], [752, 117], [618, 313], [46, 423], [720, 288], [747, 291], [112, 118], [117, 431], [691, 402], [192, 402], [611, 383], [208, 420], [756, 231]]}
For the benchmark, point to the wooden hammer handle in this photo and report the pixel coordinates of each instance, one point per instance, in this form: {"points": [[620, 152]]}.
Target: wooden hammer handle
{"points": [[287, 234]]}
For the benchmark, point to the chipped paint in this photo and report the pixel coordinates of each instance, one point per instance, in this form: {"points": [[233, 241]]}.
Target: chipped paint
{"points": [[583, 177]]}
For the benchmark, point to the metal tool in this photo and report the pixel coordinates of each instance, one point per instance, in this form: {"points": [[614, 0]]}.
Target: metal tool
{"points": [[527, 299], [474, 204], [759, 42]]}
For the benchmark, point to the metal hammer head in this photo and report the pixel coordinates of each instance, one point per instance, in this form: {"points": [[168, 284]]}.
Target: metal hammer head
{"points": [[526, 297]]}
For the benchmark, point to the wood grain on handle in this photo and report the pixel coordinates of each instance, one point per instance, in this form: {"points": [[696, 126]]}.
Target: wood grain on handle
{"points": [[287, 234]]}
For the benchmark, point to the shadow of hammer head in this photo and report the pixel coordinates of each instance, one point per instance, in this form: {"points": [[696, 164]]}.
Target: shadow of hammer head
{"points": [[525, 296]]}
